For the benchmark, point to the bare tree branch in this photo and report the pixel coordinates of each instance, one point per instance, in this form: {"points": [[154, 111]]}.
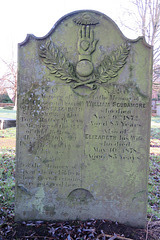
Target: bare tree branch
{"points": [[9, 79], [147, 19]]}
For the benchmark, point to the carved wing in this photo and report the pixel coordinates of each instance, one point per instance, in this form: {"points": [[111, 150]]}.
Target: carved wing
{"points": [[57, 63], [111, 64]]}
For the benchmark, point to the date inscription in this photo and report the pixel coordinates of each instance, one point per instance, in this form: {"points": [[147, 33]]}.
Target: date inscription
{"points": [[62, 136]]}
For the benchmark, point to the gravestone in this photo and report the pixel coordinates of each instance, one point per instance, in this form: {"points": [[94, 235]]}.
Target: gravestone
{"points": [[7, 123], [84, 97]]}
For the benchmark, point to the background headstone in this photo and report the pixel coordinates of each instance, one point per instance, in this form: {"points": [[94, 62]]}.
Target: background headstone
{"points": [[84, 106]]}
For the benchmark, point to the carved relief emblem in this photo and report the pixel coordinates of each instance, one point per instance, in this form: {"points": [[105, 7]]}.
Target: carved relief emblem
{"points": [[84, 73]]}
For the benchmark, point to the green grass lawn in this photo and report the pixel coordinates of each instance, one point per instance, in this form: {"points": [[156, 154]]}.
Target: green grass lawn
{"points": [[7, 182], [155, 128], [153, 188], [7, 113], [7, 175], [8, 133]]}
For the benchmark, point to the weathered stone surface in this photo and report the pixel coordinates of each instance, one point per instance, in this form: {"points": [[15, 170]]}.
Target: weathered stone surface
{"points": [[84, 94]]}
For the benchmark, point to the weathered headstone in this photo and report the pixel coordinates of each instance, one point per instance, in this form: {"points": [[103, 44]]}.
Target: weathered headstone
{"points": [[7, 123], [84, 94]]}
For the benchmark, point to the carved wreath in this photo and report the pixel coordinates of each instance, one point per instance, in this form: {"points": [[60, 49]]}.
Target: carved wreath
{"points": [[58, 65]]}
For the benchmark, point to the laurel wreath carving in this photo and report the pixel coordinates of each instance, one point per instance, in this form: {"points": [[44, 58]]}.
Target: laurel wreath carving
{"points": [[111, 64], [108, 69], [57, 63]]}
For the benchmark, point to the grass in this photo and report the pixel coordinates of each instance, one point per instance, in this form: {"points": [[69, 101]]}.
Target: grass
{"points": [[154, 172], [8, 133], [7, 182], [7, 172], [7, 113], [153, 187]]}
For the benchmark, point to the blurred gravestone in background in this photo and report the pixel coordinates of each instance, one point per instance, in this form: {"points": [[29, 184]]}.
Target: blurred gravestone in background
{"points": [[84, 103]]}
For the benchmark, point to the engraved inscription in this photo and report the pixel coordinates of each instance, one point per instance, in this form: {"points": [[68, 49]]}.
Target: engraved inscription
{"points": [[111, 131]]}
